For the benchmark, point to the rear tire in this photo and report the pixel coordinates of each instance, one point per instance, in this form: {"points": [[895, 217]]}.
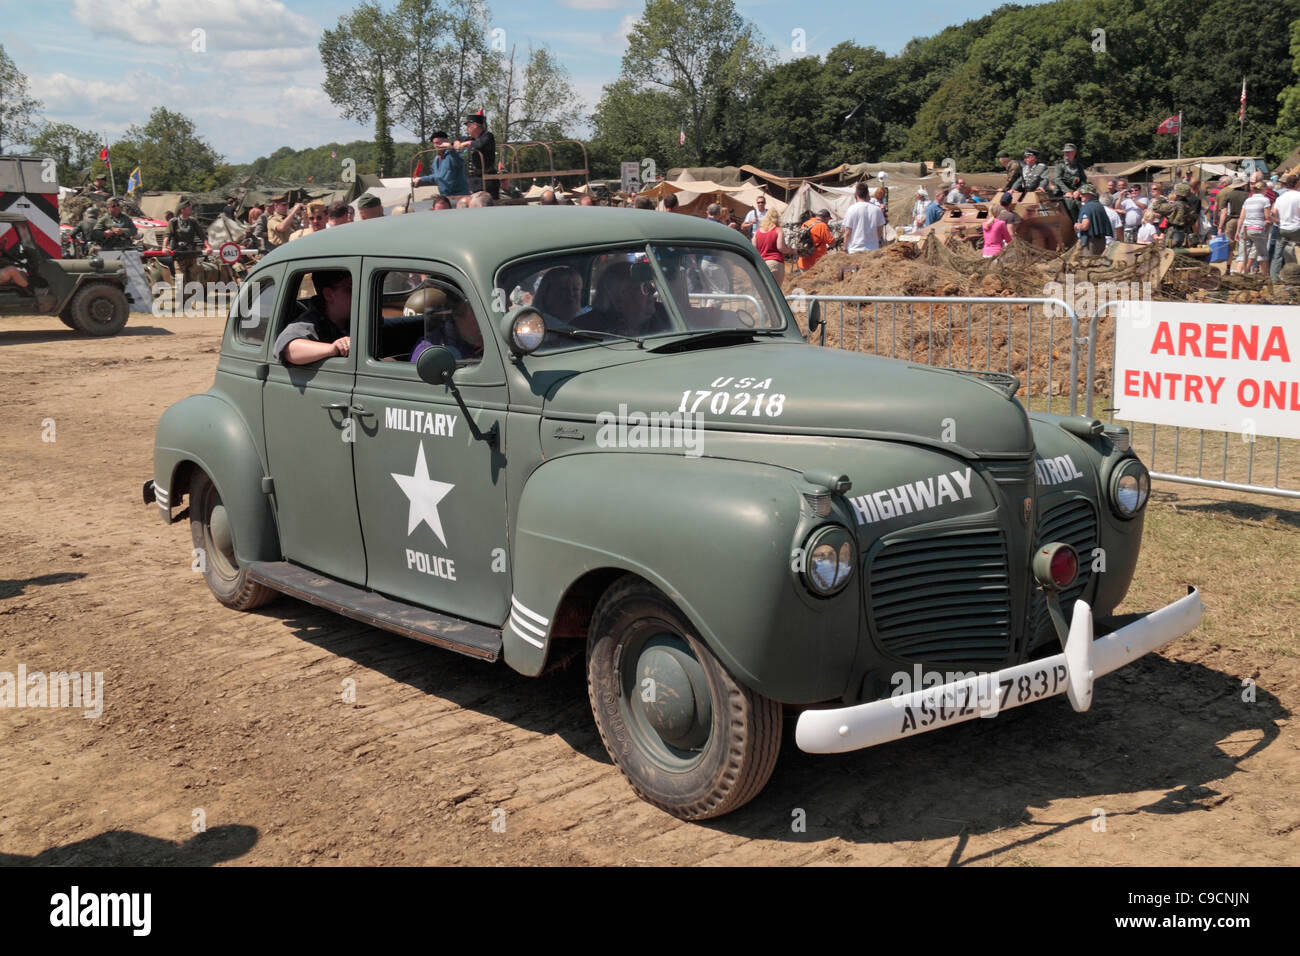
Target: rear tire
{"points": [[99, 308], [211, 533], [689, 738]]}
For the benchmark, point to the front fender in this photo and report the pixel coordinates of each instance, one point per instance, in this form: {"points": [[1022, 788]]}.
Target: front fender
{"points": [[208, 433], [716, 536]]}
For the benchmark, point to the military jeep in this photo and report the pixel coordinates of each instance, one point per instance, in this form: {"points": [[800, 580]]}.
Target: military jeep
{"points": [[88, 295], [615, 445]]}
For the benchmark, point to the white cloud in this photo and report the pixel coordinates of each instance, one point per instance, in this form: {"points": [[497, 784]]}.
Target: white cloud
{"points": [[225, 24], [592, 4], [276, 60], [61, 91], [625, 26]]}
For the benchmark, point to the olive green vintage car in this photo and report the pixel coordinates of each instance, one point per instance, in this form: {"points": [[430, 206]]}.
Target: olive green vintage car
{"points": [[556, 431]]}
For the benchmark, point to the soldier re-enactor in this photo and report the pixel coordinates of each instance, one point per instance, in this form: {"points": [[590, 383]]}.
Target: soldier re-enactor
{"points": [[1179, 216], [1033, 175], [322, 331], [1067, 179], [115, 229], [1012, 169], [185, 235]]}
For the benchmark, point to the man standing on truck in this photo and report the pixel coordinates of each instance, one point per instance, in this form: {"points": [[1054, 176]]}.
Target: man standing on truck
{"points": [[482, 146]]}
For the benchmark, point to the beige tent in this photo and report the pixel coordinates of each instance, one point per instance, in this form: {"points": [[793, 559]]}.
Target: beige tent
{"points": [[694, 196]]}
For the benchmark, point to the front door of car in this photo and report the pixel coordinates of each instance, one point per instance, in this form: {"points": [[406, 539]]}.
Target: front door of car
{"points": [[309, 432], [430, 479]]}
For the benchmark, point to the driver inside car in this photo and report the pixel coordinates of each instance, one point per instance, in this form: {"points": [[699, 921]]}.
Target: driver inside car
{"points": [[448, 321], [626, 303]]}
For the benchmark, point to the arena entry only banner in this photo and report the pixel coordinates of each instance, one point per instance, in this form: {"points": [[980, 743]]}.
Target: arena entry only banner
{"points": [[1218, 367]]}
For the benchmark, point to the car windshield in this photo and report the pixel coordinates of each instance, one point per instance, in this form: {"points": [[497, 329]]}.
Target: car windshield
{"points": [[620, 294]]}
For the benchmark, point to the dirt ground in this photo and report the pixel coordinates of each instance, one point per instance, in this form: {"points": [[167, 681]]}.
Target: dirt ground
{"points": [[237, 720]]}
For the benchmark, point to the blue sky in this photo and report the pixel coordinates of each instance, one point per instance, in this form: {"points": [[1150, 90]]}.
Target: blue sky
{"points": [[104, 64]]}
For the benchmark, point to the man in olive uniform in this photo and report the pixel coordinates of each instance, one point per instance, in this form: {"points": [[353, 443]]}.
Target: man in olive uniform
{"points": [[1067, 178], [282, 221], [186, 236], [1012, 169], [114, 230], [1179, 215], [482, 157], [84, 233], [99, 189], [1033, 175]]}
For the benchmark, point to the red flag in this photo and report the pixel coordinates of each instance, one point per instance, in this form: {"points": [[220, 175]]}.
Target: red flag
{"points": [[103, 153], [1241, 113], [311, 177], [1168, 126], [419, 168]]}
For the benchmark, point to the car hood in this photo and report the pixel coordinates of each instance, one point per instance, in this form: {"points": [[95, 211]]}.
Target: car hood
{"points": [[793, 388]]}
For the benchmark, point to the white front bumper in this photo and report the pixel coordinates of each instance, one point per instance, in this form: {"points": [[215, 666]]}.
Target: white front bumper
{"points": [[985, 695]]}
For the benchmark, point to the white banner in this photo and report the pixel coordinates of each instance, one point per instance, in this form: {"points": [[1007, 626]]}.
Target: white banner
{"points": [[1229, 368], [137, 283]]}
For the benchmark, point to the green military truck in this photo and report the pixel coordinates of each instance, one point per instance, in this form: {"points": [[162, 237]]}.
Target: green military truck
{"points": [[88, 295], [599, 433]]}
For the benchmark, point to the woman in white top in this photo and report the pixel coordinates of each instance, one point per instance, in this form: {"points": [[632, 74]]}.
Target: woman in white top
{"points": [[1147, 232], [1254, 226]]}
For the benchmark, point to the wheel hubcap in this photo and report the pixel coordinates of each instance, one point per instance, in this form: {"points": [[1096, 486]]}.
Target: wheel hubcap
{"points": [[222, 544], [101, 310], [667, 702]]}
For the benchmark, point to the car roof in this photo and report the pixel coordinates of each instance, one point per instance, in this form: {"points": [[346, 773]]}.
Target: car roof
{"points": [[483, 238]]}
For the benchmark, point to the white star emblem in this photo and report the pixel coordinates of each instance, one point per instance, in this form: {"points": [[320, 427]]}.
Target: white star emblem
{"points": [[424, 494]]}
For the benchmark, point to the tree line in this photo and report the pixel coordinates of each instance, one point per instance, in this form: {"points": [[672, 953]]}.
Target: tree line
{"points": [[700, 86]]}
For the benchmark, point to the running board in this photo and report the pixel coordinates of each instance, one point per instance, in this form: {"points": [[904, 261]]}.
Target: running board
{"points": [[419, 623]]}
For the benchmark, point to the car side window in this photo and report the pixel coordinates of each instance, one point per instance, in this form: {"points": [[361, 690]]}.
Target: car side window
{"points": [[252, 312], [416, 310]]}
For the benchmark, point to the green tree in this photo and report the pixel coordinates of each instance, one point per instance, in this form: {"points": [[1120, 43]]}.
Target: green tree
{"points": [[1287, 136], [358, 55], [533, 99], [17, 106], [170, 154], [75, 151], [706, 60]]}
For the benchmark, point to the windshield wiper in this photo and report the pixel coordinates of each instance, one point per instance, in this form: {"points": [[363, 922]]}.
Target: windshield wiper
{"points": [[593, 335], [696, 338]]}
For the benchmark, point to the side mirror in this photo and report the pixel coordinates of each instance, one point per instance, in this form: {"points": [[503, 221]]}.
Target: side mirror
{"points": [[524, 329], [436, 365], [815, 321]]}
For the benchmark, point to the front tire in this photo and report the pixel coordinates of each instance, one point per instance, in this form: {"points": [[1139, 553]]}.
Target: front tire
{"points": [[688, 737], [211, 533], [99, 308]]}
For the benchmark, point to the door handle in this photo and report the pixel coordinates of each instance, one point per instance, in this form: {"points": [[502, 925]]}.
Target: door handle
{"points": [[361, 410], [335, 406]]}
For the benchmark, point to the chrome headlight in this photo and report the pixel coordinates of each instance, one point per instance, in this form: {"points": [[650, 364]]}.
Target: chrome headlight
{"points": [[830, 556], [1130, 486]]}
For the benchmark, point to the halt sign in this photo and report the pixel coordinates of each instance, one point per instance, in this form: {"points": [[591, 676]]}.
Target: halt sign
{"points": [[1225, 367], [229, 253]]}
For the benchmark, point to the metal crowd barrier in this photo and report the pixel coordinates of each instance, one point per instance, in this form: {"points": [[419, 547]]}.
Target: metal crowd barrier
{"points": [[1046, 323]]}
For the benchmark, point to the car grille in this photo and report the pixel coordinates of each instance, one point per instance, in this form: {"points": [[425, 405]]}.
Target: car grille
{"points": [[1074, 522], [943, 598]]}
